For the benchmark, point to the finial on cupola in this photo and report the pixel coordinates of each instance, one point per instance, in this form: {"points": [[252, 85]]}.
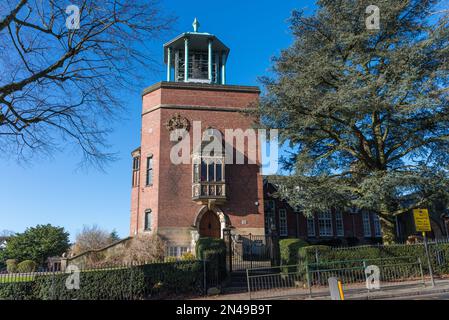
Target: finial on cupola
{"points": [[196, 25]]}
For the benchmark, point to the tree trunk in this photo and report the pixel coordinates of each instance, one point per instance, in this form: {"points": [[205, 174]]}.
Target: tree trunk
{"points": [[387, 225]]}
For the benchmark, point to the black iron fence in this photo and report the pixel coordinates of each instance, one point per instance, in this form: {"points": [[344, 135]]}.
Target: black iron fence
{"points": [[397, 265], [250, 251], [115, 282], [306, 280], [438, 253]]}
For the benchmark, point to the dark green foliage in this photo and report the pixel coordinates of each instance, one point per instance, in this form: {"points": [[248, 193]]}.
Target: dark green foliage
{"points": [[114, 236], [214, 252], [289, 249], [366, 112], [37, 244], [330, 242], [17, 291], [172, 279], [11, 265], [26, 266], [307, 254], [2, 259], [113, 284], [209, 244], [216, 264], [154, 281], [398, 253]]}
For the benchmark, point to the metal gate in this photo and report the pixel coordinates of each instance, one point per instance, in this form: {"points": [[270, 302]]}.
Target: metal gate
{"points": [[249, 251]]}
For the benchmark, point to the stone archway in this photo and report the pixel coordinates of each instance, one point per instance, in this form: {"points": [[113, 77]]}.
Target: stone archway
{"points": [[208, 213]]}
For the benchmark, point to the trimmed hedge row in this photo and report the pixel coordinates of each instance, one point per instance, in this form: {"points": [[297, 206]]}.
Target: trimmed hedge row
{"points": [[289, 250], [439, 254], [138, 282], [214, 252], [26, 266]]}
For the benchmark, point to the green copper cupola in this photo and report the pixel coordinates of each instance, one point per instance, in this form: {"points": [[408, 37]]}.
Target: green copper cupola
{"points": [[196, 57]]}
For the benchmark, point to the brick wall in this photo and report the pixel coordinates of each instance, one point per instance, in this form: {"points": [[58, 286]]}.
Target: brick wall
{"points": [[170, 196]]}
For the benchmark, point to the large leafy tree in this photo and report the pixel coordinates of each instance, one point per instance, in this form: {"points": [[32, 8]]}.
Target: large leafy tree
{"points": [[366, 112], [37, 244]]}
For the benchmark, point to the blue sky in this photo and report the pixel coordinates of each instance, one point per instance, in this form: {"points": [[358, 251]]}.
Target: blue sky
{"points": [[55, 191]]}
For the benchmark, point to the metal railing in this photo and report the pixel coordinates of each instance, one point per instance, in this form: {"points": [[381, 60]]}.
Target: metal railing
{"points": [[250, 251], [276, 282], [307, 279], [392, 272]]}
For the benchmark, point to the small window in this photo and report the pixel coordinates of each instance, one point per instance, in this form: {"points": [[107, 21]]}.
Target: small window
{"points": [[148, 220], [325, 224], [136, 163], [203, 171], [196, 173], [211, 172], [150, 171], [339, 226], [377, 226], [270, 209], [283, 226], [311, 226], [366, 225], [219, 174], [136, 167], [177, 252]]}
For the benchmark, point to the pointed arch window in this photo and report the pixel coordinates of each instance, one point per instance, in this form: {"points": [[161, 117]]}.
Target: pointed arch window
{"points": [[209, 169]]}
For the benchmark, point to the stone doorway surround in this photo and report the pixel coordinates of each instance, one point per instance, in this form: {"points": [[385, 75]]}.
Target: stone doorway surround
{"points": [[195, 233]]}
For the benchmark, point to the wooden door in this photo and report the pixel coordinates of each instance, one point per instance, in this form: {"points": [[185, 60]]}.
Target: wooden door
{"points": [[210, 226]]}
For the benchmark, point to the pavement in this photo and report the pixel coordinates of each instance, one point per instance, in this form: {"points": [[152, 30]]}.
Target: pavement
{"points": [[411, 290]]}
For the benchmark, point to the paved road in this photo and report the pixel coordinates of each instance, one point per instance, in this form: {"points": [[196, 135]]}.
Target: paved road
{"points": [[440, 296]]}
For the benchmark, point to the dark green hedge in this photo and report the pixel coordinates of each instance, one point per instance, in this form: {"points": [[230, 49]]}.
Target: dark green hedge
{"points": [[138, 282], [214, 252], [17, 291], [26, 266], [289, 250], [439, 254], [208, 244]]}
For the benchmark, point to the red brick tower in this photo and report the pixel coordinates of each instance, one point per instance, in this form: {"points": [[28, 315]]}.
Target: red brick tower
{"points": [[207, 195]]}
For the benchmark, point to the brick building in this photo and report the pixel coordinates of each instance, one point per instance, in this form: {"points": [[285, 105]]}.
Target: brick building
{"points": [[205, 195], [334, 227], [349, 226]]}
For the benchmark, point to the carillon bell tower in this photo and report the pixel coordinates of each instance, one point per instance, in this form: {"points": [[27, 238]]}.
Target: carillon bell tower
{"points": [[196, 57], [206, 196]]}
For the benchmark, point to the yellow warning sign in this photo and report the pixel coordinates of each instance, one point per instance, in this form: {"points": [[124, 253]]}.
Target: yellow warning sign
{"points": [[422, 220]]}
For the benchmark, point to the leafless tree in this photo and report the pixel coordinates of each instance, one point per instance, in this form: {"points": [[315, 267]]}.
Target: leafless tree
{"points": [[141, 249], [60, 85], [91, 238]]}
